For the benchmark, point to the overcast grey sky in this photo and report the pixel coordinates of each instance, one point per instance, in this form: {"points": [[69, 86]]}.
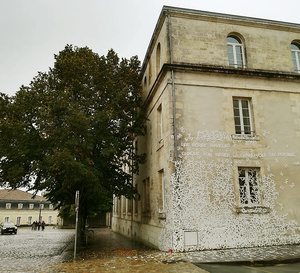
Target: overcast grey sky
{"points": [[32, 31]]}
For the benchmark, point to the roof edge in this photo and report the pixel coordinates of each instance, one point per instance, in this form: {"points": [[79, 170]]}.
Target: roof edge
{"points": [[229, 16]]}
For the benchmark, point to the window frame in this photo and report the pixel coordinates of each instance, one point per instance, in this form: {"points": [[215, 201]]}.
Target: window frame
{"points": [[234, 46], [8, 205], [160, 125], [241, 117], [146, 196], [161, 190], [296, 56], [251, 194]]}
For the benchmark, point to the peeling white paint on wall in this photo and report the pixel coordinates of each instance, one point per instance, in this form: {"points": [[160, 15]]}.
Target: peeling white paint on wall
{"points": [[205, 210]]}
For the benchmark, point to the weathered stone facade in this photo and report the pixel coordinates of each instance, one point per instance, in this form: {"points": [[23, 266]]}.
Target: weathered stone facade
{"points": [[223, 135]]}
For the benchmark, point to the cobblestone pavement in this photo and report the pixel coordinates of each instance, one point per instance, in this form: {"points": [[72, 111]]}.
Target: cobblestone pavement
{"points": [[33, 251]]}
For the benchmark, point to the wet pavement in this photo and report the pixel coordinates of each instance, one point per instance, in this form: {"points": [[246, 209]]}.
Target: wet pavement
{"points": [[110, 252], [52, 251]]}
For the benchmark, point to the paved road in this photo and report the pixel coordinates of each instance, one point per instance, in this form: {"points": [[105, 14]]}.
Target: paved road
{"points": [[33, 251], [278, 268]]}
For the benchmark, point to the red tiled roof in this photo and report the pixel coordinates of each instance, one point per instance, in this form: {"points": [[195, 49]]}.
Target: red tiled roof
{"points": [[18, 195]]}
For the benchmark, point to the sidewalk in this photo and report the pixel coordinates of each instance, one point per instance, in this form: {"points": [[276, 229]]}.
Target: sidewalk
{"points": [[111, 252]]}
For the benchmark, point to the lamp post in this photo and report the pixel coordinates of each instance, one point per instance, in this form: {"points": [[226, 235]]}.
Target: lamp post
{"points": [[40, 214], [76, 224]]}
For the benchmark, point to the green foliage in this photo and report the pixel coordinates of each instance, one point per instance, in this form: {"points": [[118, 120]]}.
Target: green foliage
{"points": [[73, 129]]}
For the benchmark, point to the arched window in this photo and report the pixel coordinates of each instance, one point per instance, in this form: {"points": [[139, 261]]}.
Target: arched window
{"points": [[158, 58], [296, 56], [235, 49]]}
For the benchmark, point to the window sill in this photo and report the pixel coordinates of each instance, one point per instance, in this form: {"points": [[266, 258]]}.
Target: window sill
{"points": [[161, 215], [245, 137], [160, 144], [253, 210]]}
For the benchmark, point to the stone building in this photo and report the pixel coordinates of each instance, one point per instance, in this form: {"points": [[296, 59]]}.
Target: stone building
{"points": [[222, 94], [22, 209]]}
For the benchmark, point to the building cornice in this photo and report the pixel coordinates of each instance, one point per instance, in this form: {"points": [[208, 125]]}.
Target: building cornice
{"points": [[211, 69], [232, 71]]}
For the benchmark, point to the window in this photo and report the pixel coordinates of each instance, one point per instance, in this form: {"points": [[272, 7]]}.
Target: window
{"points": [[20, 206], [50, 206], [158, 58], [159, 124], [235, 50], [248, 186], [296, 56], [123, 204], [49, 220], [161, 191], [41, 206], [136, 200], [8, 205], [242, 117], [29, 221], [31, 206], [150, 72], [6, 219], [129, 206], [115, 205], [146, 195], [18, 223]]}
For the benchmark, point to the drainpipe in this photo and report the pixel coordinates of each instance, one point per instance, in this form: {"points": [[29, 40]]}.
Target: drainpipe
{"points": [[173, 103], [173, 90]]}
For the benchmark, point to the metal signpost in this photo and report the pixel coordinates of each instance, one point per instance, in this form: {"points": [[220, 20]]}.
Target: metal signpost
{"points": [[76, 226]]}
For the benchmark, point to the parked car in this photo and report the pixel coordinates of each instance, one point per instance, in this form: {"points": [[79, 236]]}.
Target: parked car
{"points": [[8, 227]]}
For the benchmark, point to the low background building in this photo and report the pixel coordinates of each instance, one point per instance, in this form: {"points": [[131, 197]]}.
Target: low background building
{"points": [[23, 208]]}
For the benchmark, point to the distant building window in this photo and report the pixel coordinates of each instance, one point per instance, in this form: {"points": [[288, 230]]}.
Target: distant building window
{"points": [[31, 206], [49, 220], [50, 206], [29, 221], [242, 117], [41, 206], [6, 219], [249, 186], [235, 50], [296, 56], [8, 205], [20, 206]]}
